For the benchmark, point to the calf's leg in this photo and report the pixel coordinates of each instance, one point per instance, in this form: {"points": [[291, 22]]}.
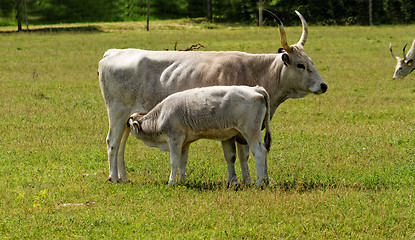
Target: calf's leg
{"points": [[243, 154], [175, 145], [229, 151], [183, 163]]}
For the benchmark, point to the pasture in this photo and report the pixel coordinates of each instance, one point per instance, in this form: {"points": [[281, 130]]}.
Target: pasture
{"points": [[342, 164]]}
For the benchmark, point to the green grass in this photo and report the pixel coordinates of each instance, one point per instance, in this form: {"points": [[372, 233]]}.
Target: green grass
{"points": [[341, 164]]}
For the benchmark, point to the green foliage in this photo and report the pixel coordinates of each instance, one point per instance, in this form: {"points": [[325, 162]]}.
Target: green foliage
{"points": [[323, 12], [345, 12], [234, 10], [131, 9], [79, 11], [7, 7]]}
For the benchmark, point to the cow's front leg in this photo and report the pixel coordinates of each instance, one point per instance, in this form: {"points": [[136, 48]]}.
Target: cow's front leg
{"points": [[229, 151], [243, 154], [175, 145]]}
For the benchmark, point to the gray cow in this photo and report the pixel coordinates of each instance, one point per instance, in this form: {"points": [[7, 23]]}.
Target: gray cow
{"points": [[405, 65], [218, 112]]}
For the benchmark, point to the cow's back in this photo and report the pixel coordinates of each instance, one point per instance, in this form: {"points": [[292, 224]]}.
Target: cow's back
{"points": [[140, 79]]}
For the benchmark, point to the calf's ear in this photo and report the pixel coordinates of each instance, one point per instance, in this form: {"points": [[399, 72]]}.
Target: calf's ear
{"points": [[137, 124], [286, 59], [409, 62], [133, 123]]}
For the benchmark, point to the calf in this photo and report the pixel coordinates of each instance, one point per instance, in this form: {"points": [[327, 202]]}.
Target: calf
{"points": [[218, 112]]}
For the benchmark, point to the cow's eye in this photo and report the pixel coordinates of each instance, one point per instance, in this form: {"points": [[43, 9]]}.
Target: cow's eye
{"points": [[301, 66]]}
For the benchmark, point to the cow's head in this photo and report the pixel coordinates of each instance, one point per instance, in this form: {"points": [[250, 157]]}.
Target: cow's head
{"points": [[298, 72], [405, 65]]}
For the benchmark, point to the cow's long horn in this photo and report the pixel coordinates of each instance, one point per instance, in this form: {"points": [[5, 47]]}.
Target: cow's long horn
{"points": [[403, 50], [390, 49], [283, 36], [304, 35]]}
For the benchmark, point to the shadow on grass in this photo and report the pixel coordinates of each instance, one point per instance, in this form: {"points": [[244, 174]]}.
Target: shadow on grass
{"points": [[57, 30], [300, 187]]}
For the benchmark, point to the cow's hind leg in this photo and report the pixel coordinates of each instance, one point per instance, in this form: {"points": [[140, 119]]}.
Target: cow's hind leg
{"points": [[115, 134], [260, 156], [243, 155], [122, 173], [229, 151]]}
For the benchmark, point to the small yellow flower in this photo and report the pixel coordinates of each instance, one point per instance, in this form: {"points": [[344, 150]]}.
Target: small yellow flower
{"points": [[20, 196]]}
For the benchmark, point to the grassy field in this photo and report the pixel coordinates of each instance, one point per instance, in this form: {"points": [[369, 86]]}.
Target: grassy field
{"points": [[341, 165]]}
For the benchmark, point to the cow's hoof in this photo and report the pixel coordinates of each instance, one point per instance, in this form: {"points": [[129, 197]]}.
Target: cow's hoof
{"points": [[234, 184], [125, 180], [110, 180], [248, 182], [262, 183]]}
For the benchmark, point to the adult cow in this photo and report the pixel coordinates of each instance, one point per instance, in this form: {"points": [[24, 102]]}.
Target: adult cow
{"points": [[405, 65], [134, 80]]}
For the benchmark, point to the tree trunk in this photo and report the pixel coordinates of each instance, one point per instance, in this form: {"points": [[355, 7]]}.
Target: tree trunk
{"points": [[370, 12], [209, 11], [148, 15], [261, 18], [26, 17], [19, 16]]}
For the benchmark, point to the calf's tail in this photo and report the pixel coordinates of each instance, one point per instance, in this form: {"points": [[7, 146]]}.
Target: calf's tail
{"points": [[266, 122]]}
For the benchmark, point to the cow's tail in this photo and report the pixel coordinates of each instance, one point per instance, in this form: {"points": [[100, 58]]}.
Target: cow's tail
{"points": [[267, 119]]}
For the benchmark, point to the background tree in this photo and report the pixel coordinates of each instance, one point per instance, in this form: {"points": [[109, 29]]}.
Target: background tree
{"points": [[209, 11], [325, 12]]}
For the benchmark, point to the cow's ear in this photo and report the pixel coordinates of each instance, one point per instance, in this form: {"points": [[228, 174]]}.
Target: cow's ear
{"points": [[286, 59], [281, 50], [409, 62]]}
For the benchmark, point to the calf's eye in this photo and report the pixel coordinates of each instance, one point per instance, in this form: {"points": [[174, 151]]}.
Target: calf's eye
{"points": [[301, 66]]}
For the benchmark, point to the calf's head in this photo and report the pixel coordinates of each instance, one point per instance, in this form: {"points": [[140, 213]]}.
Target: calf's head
{"points": [[134, 123], [404, 65], [300, 76]]}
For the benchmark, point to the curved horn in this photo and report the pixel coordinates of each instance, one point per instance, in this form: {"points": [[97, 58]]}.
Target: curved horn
{"points": [[283, 36], [390, 49], [403, 50], [304, 35]]}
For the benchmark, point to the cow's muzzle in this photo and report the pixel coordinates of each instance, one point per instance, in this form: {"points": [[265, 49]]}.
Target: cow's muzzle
{"points": [[323, 89]]}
